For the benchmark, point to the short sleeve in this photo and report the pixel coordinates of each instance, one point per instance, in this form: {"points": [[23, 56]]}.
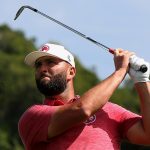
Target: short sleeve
{"points": [[124, 117], [128, 119], [33, 125]]}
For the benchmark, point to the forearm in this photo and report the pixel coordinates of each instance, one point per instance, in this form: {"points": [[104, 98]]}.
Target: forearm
{"points": [[98, 96], [143, 90]]}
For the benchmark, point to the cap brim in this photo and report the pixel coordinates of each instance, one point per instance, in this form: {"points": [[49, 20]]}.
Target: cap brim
{"points": [[33, 56]]}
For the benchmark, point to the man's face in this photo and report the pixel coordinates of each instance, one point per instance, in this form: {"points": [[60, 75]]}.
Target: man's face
{"points": [[51, 75]]}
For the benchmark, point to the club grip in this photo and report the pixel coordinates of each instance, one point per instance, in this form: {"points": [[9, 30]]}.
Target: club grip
{"points": [[111, 50]]}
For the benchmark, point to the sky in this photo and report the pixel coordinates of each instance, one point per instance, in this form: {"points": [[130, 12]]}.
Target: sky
{"points": [[114, 23]]}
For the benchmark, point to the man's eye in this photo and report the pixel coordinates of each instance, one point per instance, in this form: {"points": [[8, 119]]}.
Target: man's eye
{"points": [[51, 62], [38, 64]]}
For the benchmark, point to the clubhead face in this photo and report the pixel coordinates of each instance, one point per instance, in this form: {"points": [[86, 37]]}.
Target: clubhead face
{"points": [[19, 12], [22, 8]]}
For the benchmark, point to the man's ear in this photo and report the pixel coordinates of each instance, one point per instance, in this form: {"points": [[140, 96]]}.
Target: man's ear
{"points": [[71, 73]]}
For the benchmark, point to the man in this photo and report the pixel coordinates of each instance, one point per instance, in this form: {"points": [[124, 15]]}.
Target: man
{"points": [[69, 122]]}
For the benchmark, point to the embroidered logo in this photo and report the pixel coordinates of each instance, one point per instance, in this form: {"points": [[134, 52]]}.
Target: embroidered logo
{"points": [[45, 48], [90, 120]]}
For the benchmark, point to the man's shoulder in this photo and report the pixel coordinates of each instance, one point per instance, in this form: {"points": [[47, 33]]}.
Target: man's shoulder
{"points": [[113, 110], [35, 111], [111, 105], [32, 119], [116, 111]]}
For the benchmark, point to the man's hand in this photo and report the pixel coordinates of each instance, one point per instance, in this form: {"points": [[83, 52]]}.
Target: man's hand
{"points": [[134, 73], [121, 59]]}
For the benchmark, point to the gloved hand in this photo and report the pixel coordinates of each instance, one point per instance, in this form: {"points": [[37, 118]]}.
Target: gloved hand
{"points": [[134, 73]]}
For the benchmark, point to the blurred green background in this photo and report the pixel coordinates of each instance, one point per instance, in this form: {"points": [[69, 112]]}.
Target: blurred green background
{"points": [[18, 90]]}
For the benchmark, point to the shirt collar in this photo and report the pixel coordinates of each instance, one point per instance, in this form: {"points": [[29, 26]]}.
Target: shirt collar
{"points": [[53, 102]]}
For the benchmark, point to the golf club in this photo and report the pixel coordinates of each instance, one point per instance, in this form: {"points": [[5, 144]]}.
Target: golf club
{"points": [[142, 68]]}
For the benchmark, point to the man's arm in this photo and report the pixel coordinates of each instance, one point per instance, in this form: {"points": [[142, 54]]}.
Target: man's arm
{"points": [[140, 132], [71, 114]]}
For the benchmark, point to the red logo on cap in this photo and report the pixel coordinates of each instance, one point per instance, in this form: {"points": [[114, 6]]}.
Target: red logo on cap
{"points": [[45, 48]]}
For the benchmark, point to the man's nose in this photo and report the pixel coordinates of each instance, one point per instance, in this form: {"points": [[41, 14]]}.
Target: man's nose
{"points": [[44, 68]]}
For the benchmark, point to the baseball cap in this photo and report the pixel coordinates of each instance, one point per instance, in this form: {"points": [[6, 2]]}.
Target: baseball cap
{"points": [[53, 50]]}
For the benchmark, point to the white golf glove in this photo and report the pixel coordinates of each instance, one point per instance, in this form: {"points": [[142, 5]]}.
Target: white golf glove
{"points": [[134, 73]]}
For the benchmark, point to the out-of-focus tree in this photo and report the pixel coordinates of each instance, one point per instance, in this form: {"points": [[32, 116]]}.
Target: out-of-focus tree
{"points": [[18, 90]]}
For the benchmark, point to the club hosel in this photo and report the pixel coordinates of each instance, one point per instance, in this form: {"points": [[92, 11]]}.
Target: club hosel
{"points": [[32, 8]]}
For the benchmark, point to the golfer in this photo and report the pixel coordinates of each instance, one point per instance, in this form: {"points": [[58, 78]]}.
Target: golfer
{"points": [[66, 121]]}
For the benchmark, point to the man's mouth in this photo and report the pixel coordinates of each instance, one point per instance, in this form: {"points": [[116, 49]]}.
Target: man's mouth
{"points": [[45, 78]]}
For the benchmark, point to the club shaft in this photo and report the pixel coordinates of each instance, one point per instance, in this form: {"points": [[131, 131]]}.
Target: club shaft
{"points": [[143, 68], [65, 26], [75, 31]]}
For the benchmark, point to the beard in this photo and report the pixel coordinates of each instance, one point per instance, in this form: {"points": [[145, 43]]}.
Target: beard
{"points": [[55, 86]]}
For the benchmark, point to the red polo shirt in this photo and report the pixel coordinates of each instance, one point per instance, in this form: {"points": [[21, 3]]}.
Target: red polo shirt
{"points": [[103, 131]]}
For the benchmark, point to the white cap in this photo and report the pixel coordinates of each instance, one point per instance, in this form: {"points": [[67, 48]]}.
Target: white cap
{"points": [[50, 50]]}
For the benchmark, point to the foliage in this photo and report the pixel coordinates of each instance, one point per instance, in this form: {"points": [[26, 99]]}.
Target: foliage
{"points": [[18, 90], [84, 79]]}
